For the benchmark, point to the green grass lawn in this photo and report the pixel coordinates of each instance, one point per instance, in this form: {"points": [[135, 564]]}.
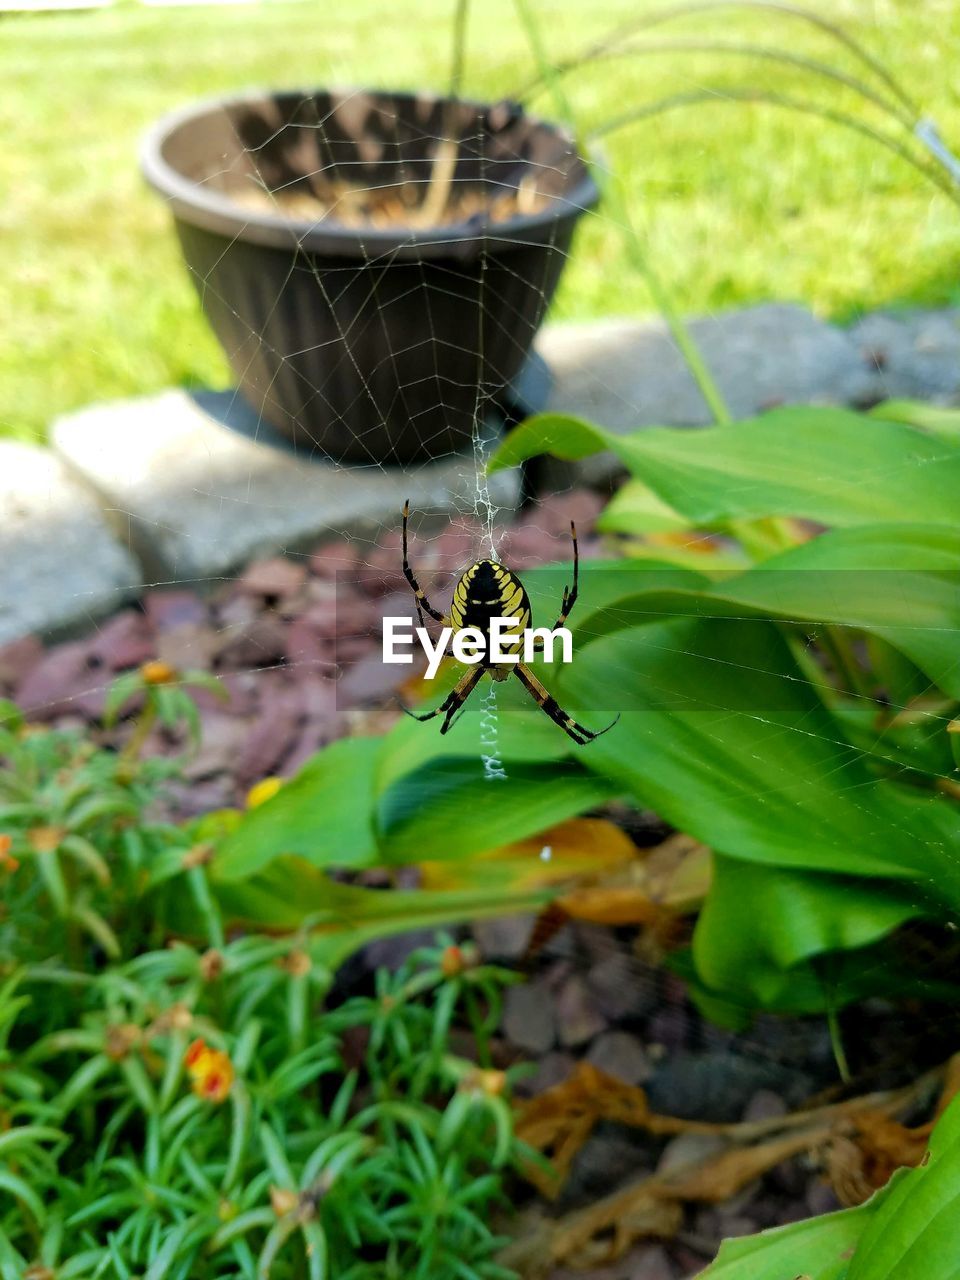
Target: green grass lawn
{"points": [[738, 203]]}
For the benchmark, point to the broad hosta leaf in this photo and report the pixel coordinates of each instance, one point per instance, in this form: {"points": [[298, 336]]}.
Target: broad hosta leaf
{"points": [[324, 814], [900, 582], [723, 736], [803, 916], [829, 465], [914, 1230], [819, 1249]]}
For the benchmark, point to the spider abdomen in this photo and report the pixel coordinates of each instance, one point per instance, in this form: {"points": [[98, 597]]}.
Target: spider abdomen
{"points": [[488, 590]]}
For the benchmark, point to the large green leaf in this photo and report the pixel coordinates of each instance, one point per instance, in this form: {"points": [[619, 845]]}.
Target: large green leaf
{"points": [[914, 1230], [819, 1249], [899, 582], [763, 931], [722, 734], [324, 814], [452, 809], [824, 464]]}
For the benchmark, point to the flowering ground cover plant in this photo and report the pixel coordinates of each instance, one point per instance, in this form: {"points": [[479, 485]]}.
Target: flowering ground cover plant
{"points": [[178, 1106]]}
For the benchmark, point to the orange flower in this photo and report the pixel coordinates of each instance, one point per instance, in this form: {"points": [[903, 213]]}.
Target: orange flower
{"points": [[156, 672], [7, 861], [210, 1070]]}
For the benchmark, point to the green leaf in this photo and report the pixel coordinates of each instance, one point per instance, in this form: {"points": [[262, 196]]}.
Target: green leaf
{"points": [[908, 1229], [829, 465], [914, 1230], [323, 815], [934, 418], [451, 809], [558, 434], [724, 737], [820, 1248], [290, 893], [899, 582], [635, 508], [804, 915]]}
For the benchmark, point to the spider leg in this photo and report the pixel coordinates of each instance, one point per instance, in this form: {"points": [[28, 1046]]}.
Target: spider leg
{"points": [[569, 593], [546, 702], [453, 701], [422, 601]]}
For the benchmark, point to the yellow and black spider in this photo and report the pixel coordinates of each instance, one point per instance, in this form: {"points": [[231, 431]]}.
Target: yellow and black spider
{"points": [[485, 591]]}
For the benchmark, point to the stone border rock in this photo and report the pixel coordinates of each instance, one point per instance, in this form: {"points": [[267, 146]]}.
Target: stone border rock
{"points": [[181, 487]]}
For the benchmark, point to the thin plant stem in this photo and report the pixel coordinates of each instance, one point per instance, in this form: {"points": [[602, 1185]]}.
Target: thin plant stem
{"points": [[836, 1043], [637, 256], [767, 53], [717, 94], [445, 158], [130, 754], [671, 12], [459, 47]]}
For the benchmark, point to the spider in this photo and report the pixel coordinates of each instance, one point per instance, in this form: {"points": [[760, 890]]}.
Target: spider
{"points": [[485, 591]]}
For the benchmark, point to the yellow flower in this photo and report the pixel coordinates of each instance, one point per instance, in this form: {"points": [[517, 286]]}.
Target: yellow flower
{"points": [[210, 1070], [263, 791]]}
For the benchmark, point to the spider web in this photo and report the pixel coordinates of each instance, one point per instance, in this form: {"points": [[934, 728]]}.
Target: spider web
{"points": [[468, 524]]}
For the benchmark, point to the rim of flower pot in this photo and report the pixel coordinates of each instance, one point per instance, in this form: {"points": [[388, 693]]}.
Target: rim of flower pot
{"points": [[213, 210]]}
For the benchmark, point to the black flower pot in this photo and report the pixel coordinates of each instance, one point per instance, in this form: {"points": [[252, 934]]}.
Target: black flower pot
{"points": [[371, 339]]}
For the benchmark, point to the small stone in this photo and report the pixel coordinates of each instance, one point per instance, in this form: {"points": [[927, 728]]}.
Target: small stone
{"points": [[765, 1105], [553, 512], [669, 1028], [390, 953], [305, 650], [713, 1086], [191, 799], [504, 938], [334, 558], [166, 609], [821, 1197], [199, 487], [64, 682], [620, 1054], [223, 738], [649, 1262], [260, 641], [609, 1157], [369, 680], [17, 659], [737, 1224], [189, 646], [123, 641], [277, 577], [552, 1069], [622, 987], [578, 1017], [528, 1018], [268, 741]]}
